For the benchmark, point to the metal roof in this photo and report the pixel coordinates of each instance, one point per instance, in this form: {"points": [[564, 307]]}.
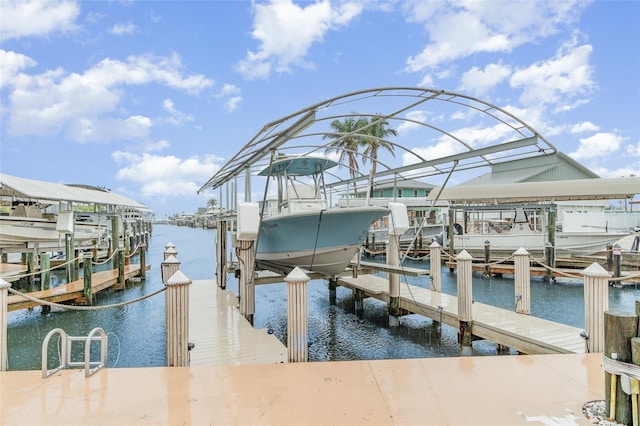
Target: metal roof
{"points": [[11, 186], [307, 131], [564, 190]]}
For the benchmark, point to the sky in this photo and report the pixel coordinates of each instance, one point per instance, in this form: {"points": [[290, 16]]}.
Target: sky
{"points": [[150, 98]]}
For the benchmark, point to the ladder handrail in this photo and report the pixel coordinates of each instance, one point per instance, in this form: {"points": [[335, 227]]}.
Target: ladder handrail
{"points": [[65, 352]]}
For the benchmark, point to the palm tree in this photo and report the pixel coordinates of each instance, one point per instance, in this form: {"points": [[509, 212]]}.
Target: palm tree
{"points": [[212, 203], [376, 135], [347, 142]]}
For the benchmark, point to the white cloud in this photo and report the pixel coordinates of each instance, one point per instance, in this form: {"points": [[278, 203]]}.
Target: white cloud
{"points": [[176, 118], [633, 151], [597, 146], [286, 31], [459, 29], [87, 106], [123, 28], [562, 81], [165, 176], [37, 18], [479, 82], [414, 118], [12, 64], [231, 96], [583, 127]]}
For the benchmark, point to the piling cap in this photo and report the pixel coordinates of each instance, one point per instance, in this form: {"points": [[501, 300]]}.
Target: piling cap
{"points": [[171, 259], [521, 252], [296, 275], [464, 255], [169, 244], [171, 250], [178, 279], [434, 244], [595, 270]]}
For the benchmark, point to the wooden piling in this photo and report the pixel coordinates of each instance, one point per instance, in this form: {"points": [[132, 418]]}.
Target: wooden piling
{"points": [[143, 261], [465, 301], [333, 289], [435, 265], [522, 278], [177, 319], [297, 346], [45, 277], [487, 258], [620, 327], [4, 296], [596, 303], [45, 273], [358, 300], [393, 259], [88, 295], [635, 382], [121, 265]]}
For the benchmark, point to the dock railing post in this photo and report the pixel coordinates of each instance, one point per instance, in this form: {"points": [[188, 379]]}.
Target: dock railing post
{"points": [[596, 303], [435, 259], [177, 318], [4, 298], [522, 278], [465, 302], [169, 267], [297, 346]]}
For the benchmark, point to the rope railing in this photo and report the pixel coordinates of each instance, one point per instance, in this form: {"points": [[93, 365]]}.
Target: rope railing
{"points": [[135, 250], [108, 259], [556, 270], [84, 308], [45, 270]]}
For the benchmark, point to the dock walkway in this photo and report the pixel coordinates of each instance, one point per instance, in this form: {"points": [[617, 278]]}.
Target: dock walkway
{"points": [[73, 290], [222, 335], [525, 333]]}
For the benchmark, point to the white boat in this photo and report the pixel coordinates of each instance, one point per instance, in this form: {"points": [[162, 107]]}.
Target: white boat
{"points": [[300, 230], [516, 229], [27, 227]]}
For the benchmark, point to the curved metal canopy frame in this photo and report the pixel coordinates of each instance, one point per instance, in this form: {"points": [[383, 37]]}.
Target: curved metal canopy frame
{"points": [[477, 134]]}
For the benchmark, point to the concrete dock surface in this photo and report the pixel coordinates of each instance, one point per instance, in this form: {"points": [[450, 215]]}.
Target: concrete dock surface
{"points": [[481, 390]]}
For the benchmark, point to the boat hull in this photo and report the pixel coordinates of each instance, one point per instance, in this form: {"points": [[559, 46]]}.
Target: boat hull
{"points": [[567, 243], [323, 241], [27, 231]]}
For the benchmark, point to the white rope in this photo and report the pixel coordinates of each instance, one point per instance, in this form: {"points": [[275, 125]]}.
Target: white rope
{"points": [[46, 270], [613, 366], [83, 308]]}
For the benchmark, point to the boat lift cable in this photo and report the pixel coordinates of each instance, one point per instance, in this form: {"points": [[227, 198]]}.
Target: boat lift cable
{"points": [[433, 202], [315, 244]]}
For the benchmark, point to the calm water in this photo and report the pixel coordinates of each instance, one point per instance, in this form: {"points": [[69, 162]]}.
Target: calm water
{"points": [[137, 335]]}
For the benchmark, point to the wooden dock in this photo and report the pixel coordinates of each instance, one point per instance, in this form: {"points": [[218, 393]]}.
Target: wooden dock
{"points": [[524, 333], [73, 290], [222, 335], [11, 271]]}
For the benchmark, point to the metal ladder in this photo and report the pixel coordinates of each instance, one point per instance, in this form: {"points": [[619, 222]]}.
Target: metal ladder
{"points": [[90, 367]]}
